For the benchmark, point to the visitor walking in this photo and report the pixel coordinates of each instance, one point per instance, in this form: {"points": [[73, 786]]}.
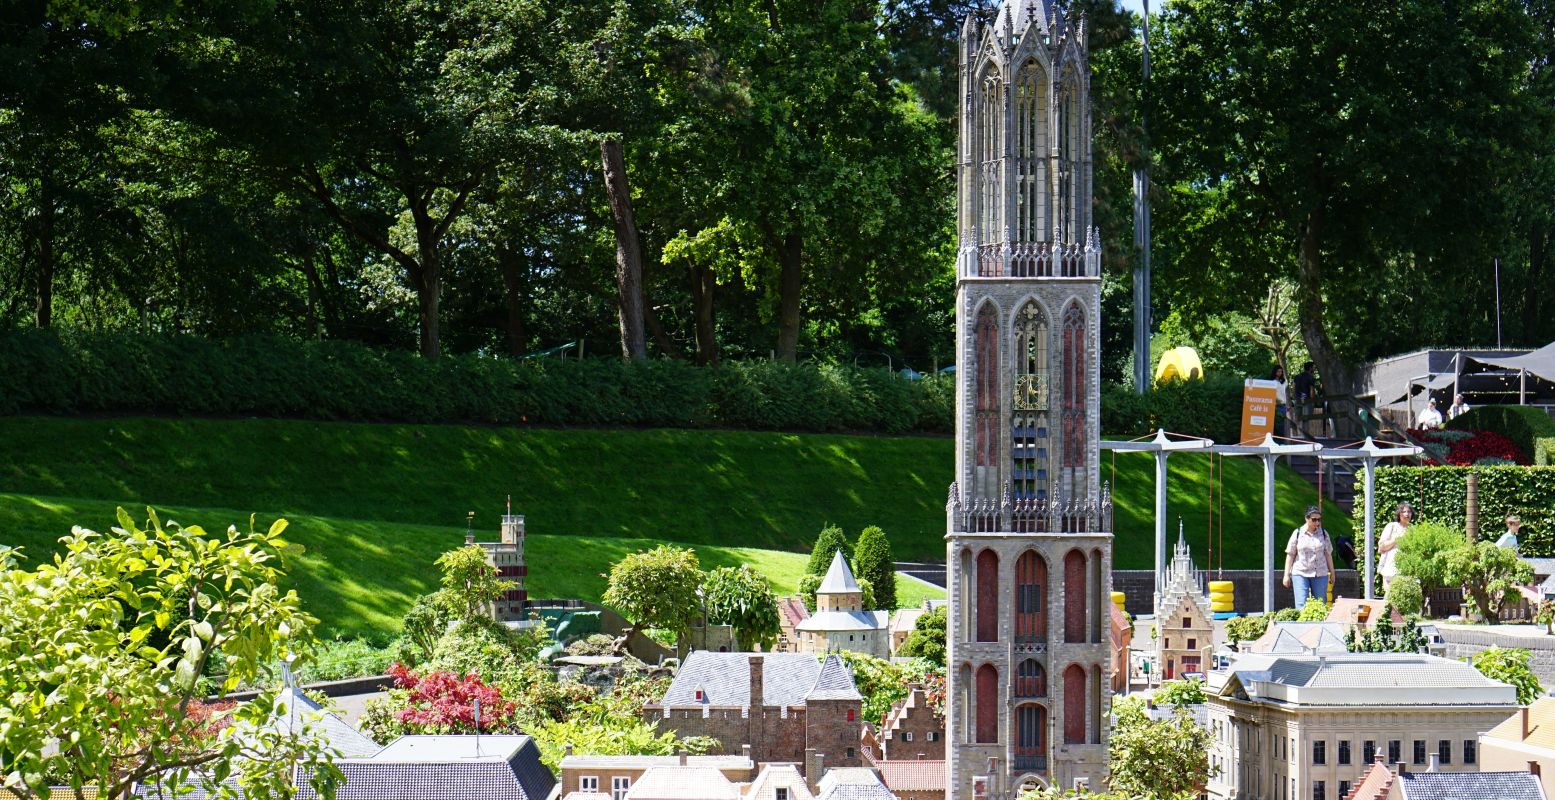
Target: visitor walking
{"points": [[1509, 539], [1281, 406], [1309, 559], [1387, 547], [1458, 407]]}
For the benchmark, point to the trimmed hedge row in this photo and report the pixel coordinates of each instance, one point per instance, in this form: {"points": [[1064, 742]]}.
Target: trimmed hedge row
{"points": [[1211, 407], [51, 372], [1438, 494], [1531, 429]]}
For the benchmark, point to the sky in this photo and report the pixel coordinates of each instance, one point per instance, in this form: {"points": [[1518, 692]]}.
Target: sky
{"points": [[1138, 6]]}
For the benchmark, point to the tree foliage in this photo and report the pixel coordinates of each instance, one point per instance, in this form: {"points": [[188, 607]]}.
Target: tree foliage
{"points": [[1422, 553], [827, 544], [1165, 759], [118, 628], [1510, 665], [470, 581], [1184, 692], [872, 561], [1490, 575], [741, 598], [658, 588], [1246, 627], [1404, 594], [928, 637]]}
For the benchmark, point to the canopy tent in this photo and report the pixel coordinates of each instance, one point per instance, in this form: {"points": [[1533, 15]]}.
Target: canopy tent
{"points": [[1525, 374], [1539, 363]]}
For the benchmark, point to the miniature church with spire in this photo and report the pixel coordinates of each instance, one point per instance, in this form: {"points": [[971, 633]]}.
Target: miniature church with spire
{"points": [[840, 621], [1029, 527]]}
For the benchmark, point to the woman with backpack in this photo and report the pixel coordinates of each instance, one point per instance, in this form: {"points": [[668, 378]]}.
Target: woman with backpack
{"points": [[1309, 559]]}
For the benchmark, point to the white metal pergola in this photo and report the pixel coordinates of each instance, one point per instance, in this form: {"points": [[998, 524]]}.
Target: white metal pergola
{"points": [[1369, 453], [1270, 450], [1161, 446]]}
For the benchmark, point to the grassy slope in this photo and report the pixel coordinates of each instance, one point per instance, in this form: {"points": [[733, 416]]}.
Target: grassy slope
{"points": [[376, 503]]}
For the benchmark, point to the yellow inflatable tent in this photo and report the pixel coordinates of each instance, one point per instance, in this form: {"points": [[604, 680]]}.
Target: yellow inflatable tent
{"points": [[1179, 363]]}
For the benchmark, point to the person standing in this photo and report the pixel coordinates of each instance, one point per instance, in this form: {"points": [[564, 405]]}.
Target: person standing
{"points": [[1509, 539], [1387, 546], [1281, 406], [1458, 407], [1430, 417], [1305, 386], [1309, 559]]}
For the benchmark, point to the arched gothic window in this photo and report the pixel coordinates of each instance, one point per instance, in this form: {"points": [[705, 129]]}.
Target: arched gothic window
{"points": [[1096, 707], [1030, 679], [988, 704], [1031, 153], [988, 596], [1070, 180], [985, 419], [1099, 618], [1033, 391], [1074, 597], [1072, 383], [1030, 598], [990, 149], [1030, 728]]}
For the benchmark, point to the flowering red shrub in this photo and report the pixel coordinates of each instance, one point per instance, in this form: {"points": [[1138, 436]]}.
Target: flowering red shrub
{"points": [[442, 702], [1464, 450]]}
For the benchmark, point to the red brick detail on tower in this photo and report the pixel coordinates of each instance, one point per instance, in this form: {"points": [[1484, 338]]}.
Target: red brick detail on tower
{"points": [[988, 596], [1074, 596], [987, 685], [1074, 704], [986, 434], [1030, 589]]}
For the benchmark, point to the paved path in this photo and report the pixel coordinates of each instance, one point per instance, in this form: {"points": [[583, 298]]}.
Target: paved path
{"points": [[926, 571]]}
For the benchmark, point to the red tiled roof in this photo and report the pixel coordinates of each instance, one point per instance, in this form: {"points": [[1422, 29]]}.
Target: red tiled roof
{"points": [[792, 610], [1375, 786], [912, 776]]}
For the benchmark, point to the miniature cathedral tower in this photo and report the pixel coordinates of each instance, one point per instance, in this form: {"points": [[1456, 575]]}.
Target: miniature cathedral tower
{"points": [[1029, 528]]}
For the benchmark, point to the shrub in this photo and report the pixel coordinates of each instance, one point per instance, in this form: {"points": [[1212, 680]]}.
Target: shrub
{"points": [[340, 659], [1531, 429], [1287, 615], [1314, 611], [64, 372], [1185, 692], [1509, 666], [1246, 628], [927, 640], [1422, 553], [1211, 408], [872, 561], [1462, 448], [1437, 494], [1406, 595]]}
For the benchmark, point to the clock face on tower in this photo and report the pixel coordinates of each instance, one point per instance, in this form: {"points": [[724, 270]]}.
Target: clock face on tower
{"points": [[1030, 393]]}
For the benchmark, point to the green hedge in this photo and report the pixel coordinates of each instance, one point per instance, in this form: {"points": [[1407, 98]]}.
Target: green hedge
{"points": [[1532, 429], [1437, 494], [1211, 408], [49, 372]]}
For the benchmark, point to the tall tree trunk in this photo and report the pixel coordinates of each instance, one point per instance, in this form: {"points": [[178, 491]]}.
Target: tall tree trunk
{"points": [[46, 258], [790, 283], [660, 337], [428, 281], [629, 259], [512, 289], [702, 285], [1338, 378]]}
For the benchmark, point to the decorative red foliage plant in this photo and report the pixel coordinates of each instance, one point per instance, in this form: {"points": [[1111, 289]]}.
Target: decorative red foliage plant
{"points": [[443, 702]]}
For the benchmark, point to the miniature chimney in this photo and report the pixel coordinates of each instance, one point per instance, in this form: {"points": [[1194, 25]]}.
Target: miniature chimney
{"points": [[813, 763], [1527, 729], [682, 756], [1533, 769], [756, 699], [1434, 764], [745, 751]]}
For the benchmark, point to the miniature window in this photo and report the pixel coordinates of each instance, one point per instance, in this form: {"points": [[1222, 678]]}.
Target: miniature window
{"points": [[1419, 753], [1319, 791], [781, 794], [1344, 756], [1444, 751], [588, 783], [1470, 751], [850, 715], [700, 696], [618, 787], [907, 736], [934, 736]]}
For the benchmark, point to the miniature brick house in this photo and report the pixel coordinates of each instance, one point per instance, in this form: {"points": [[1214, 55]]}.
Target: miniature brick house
{"points": [[1184, 631], [507, 555], [784, 705], [911, 729]]}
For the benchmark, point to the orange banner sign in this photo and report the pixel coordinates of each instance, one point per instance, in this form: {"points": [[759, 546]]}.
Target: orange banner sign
{"points": [[1258, 409]]}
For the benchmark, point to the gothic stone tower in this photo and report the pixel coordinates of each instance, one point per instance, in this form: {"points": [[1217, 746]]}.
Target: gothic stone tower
{"points": [[1029, 528]]}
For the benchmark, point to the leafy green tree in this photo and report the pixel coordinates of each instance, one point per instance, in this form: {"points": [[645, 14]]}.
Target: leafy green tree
{"points": [[1510, 665], [1185, 692], [872, 561], [1490, 575], [1314, 611], [426, 621], [826, 545], [118, 628], [1405, 595], [1246, 627], [471, 582], [882, 683], [1166, 759], [741, 598], [658, 588], [927, 640], [1422, 553], [1331, 163]]}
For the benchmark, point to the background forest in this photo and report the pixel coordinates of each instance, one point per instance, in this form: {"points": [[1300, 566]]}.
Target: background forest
{"points": [[722, 179]]}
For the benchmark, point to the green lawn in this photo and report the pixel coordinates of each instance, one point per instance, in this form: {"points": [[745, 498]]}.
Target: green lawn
{"points": [[359, 576], [375, 504]]}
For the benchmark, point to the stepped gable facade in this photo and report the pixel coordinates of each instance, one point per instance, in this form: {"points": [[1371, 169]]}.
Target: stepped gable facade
{"points": [[783, 705], [911, 730], [840, 621], [1185, 631], [1029, 542]]}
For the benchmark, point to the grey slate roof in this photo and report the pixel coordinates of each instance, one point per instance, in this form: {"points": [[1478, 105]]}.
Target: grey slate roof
{"points": [[1470, 786], [725, 677], [336, 732], [1381, 670], [852, 783], [1541, 566], [445, 768], [839, 579], [834, 683], [846, 621]]}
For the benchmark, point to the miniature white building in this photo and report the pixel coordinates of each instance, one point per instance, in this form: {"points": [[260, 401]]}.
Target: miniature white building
{"points": [[840, 621], [1185, 632]]}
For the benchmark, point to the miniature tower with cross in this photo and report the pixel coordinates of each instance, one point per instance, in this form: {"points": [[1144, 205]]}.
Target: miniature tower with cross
{"points": [[1029, 544]]}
